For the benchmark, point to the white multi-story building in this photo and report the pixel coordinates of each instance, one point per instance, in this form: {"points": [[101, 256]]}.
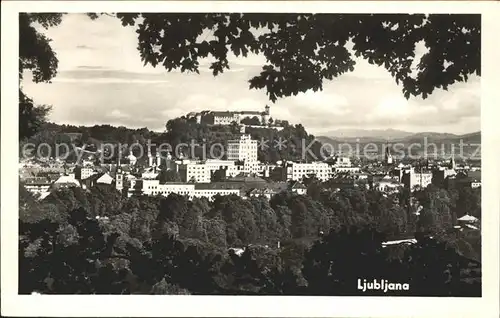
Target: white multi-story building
{"points": [[229, 165], [251, 167], [37, 185], [201, 171], [82, 173], [243, 149], [215, 164], [195, 172], [153, 187], [344, 165], [297, 171], [388, 184], [410, 179], [342, 162], [211, 193]]}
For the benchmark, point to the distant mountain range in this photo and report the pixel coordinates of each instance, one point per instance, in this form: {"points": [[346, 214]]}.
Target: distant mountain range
{"points": [[364, 133], [443, 142], [394, 135]]}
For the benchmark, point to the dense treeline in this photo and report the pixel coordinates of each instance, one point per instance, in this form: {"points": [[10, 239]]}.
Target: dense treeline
{"points": [[181, 131], [175, 246]]}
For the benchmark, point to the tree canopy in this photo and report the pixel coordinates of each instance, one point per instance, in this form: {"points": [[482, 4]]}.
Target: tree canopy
{"points": [[303, 50]]}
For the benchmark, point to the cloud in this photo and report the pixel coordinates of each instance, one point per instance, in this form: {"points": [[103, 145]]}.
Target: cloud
{"points": [[84, 47], [96, 74], [107, 81], [89, 67], [118, 114], [322, 103]]}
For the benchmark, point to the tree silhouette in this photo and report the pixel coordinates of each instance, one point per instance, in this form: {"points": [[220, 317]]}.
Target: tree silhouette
{"points": [[336, 262], [75, 266], [302, 50], [436, 269], [35, 55]]}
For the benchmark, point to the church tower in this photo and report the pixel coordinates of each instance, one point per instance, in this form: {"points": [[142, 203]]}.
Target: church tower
{"points": [[388, 156], [158, 159], [119, 181], [150, 156], [119, 173], [452, 164]]}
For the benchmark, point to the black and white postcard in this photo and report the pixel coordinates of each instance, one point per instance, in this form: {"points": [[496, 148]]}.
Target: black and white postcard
{"points": [[330, 153]]}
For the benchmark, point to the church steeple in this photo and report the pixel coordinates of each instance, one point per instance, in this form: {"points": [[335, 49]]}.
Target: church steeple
{"points": [[150, 156], [388, 156], [158, 158], [452, 161]]}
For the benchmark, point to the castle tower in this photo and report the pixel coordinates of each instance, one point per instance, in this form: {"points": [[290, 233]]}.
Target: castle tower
{"points": [[265, 115]]}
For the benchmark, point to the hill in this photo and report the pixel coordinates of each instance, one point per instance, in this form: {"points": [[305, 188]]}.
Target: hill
{"points": [[183, 136]]}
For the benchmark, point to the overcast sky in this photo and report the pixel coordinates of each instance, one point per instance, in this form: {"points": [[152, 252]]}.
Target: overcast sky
{"points": [[101, 80]]}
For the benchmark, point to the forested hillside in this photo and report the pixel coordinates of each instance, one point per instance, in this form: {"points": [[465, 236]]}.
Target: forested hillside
{"points": [[182, 131]]}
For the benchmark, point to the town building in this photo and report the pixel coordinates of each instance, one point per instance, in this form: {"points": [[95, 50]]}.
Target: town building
{"points": [[202, 171], [37, 185], [387, 184], [132, 159], [470, 180], [150, 173], [297, 171], [298, 188], [346, 169], [66, 181], [194, 172], [412, 179], [243, 149], [119, 180], [100, 178], [343, 164], [83, 172], [191, 190], [441, 175], [265, 192]]}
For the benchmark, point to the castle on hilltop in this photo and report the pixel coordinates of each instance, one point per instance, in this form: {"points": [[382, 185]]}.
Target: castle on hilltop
{"points": [[229, 117]]}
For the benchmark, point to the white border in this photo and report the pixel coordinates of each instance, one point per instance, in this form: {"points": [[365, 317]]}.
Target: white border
{"points": [[487, 306]]}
